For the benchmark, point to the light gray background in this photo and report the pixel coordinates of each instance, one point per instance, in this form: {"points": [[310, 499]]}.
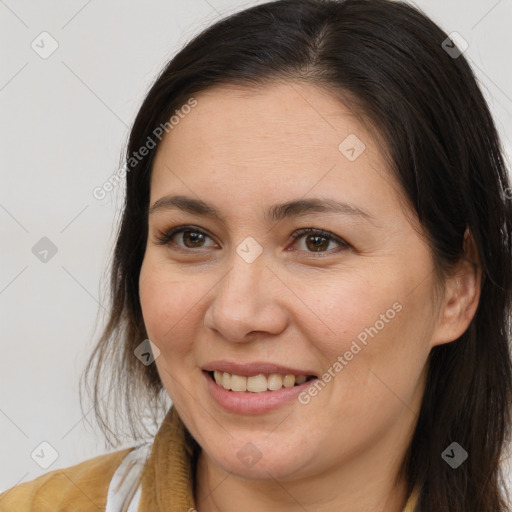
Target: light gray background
{"points": [[64, 123]]}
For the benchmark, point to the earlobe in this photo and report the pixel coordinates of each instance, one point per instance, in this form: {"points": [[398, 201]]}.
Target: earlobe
{"points": [[462, 295]]}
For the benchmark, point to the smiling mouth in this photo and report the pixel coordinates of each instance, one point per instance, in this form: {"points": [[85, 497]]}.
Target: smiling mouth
{"points": [[260, 383]]}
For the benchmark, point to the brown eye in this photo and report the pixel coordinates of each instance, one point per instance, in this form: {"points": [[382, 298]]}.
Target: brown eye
{"points": [[191, 237], [194, 238], [317, 240]]}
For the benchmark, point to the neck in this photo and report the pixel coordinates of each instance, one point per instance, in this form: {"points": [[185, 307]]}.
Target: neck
{"points": [[359, 488]]}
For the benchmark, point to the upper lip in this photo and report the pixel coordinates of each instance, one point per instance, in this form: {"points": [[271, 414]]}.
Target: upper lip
{"points": [[254, 368]]}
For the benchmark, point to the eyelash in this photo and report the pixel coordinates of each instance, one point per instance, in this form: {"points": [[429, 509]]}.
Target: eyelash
{"points": [[165, 238]]}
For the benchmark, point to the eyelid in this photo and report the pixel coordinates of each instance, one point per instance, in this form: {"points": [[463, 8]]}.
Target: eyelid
{"points": [[164, 238], [320, 232]]}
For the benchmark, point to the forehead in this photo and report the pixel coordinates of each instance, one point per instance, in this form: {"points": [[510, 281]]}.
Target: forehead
{"points": [[281, 117], [282, 138]]}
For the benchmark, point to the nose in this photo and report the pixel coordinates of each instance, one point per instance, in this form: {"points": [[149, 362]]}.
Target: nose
{"points": [[247, 300]]}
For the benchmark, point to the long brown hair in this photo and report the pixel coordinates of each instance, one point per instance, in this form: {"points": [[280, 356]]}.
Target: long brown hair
{"points": [[391, 63]]}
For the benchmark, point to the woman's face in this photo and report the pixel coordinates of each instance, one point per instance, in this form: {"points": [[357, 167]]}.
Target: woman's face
{"points": [[237, 293]]}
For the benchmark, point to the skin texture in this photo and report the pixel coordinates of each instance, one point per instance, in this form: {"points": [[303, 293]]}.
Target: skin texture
{"points": [[243, 150]]}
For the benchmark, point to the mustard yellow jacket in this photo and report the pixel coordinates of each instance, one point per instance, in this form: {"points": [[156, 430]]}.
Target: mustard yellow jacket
{"points": [[166, 480]]}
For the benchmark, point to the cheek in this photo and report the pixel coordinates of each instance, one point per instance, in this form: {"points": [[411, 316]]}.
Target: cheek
{"points": [[167, 302], [347, 308], [376, 325], [170, 306], [374, 308]]}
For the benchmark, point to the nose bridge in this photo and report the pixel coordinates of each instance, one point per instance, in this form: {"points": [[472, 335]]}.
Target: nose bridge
{"points": [[240, 293], [243, 279], [243, 302]]}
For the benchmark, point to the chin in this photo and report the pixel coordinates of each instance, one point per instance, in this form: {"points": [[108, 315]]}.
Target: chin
{"points": [[260, 461]]}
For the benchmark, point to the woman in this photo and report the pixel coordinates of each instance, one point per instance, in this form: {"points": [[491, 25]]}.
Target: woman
{"points": [[316, 240]]}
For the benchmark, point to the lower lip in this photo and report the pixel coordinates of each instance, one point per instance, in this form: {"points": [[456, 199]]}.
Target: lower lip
{"points": [[245, 402]]}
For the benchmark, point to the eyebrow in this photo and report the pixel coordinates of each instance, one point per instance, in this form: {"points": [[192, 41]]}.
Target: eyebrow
{"points": [[275, 213]]}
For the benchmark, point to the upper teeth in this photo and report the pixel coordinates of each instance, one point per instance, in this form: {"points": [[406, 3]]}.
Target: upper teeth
{"points": [[257, 383]]}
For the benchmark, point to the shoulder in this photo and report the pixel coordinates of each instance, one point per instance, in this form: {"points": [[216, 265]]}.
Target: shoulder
{"points": [[81, 488]]}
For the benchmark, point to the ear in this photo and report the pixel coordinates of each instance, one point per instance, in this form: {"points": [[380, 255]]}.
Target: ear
{"points": [[462, 293]]}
